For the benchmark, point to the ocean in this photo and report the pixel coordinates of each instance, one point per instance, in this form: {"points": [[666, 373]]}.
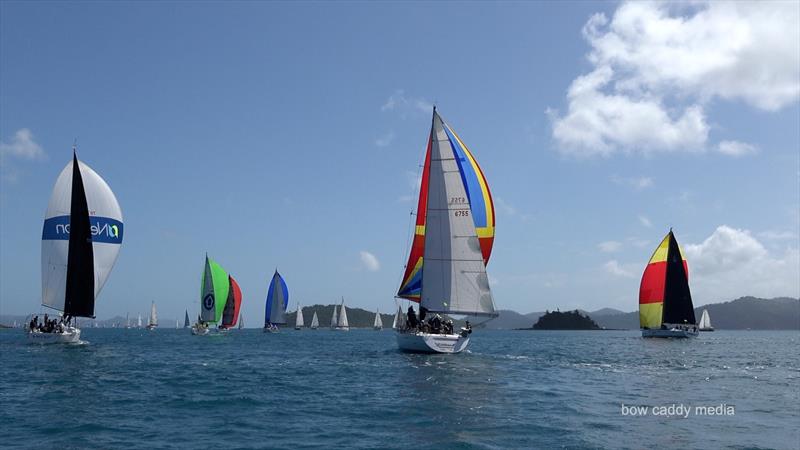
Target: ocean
{"points": [[323, 389]]}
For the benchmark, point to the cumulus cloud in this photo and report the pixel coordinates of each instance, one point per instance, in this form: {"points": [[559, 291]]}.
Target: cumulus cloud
{"points": [[385, 140], [731, 263], [369, 261], [614, 268], [736, 148], [21, 146], [656, 64], [609, 246]]}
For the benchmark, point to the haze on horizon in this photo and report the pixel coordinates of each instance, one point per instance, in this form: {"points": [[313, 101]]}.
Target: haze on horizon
{"points": [[289, 136]]}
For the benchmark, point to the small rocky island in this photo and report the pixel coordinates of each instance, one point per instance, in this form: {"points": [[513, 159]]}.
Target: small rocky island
{"points": [[570, 320]]}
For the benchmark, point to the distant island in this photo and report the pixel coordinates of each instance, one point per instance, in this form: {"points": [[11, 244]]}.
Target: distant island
{"points": [[570, 320]]}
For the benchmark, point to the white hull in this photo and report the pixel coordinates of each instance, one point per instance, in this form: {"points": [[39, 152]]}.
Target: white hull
{"points": [[673, 333], [70, 335], [298, 328], [377, 328], [199, 331], [341, 329], [272, 329], [432, 343]]}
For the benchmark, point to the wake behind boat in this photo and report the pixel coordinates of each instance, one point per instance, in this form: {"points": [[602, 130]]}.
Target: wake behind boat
{"points": [[665, 302], [452, 244], [79, 250]]}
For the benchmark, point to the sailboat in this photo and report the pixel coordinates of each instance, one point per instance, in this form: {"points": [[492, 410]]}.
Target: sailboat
{"points": [[665, 302], [705, 322], [127, 321], [241, 322], [177, 324], [152, 322], [298, 321], [81, 239], [314, 321], [230, 315], [214, 289], [378, 324], [334, 317], [139, 321], [342, 324], [454, 234], [398, 318], [277, 301], [186, 323]]}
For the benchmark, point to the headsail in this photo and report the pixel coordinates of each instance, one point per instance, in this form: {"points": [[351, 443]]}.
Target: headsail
{"points": [[277, 300], [334, 317], [397, 318], [214, 292], [75, 266], [298, 321], [343, 323], [231, 312], [186, 323], [315, 321], [664, 295], [153, 321], [378, 321], [705, 320]]}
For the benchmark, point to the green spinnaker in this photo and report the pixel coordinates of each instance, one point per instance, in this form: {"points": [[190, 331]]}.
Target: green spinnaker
{"points": [[221, 285]]}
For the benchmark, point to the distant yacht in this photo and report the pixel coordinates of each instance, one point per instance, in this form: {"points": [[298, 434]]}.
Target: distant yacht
{"points": [[298, 321], [342, 324], [398, 317], [314, 321], [81, 238], [215, 288], [230, 313], [665, 302], [127, 321], [705, 322], [152, 323], [453, 239], [139, 321], [334, 318], [277, 302], [186, 323], [378, 324], [241, 322]]}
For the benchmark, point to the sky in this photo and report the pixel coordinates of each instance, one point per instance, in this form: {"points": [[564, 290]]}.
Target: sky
{"points": [[289, 135]]}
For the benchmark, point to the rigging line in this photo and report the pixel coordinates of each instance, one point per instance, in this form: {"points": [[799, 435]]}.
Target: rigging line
{"points": [[411, 222]]}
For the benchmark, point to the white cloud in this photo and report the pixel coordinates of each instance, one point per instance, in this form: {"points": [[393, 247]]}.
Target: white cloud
{"points": [[736, 148], [385, 140], [655, 64], [645, 221], [637, 183], [731, 263], [369, 261], [609, 246], [405, 105], [614, 268], [21, 146]]}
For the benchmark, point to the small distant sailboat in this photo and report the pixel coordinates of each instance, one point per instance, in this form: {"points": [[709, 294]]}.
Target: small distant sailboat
{"points": [[378, 324], [152, 323], [277, 302], [334, 317], [127, 321], [177, 324], [241, 322], [139, 321], [314, 321], [665, 302], [298, 322], [215, 286], [186, 323], [81, 239], [705, 322], [398, 318], [453, 239], [342, 324], [230, 315]]}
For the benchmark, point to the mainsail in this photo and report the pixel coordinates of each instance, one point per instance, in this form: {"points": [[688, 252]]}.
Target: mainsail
{"points": [[298, 322], [81, 238], [186, 323], [231, 312], [343, 324], [378, 324], [398, 317], [705, 320], [277, 301], [214, 292], [334, 317], [153, 321], [315, 321], [664, 296], [454, 233]]}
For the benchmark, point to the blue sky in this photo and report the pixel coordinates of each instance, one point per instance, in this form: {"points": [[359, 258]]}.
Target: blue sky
{"points": [[289, 135]]}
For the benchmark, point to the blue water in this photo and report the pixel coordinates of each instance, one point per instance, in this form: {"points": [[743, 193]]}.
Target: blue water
{"points": [[515, 389]]}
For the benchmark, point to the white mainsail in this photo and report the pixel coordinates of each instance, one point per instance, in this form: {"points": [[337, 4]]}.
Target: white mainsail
{"points": [[105, 218], [153, 315], [343, 324], [705, 320], [453, 269], [315, 321], [397, 318], [139, 321], [298, 322], [378, 324], [334, 318]]}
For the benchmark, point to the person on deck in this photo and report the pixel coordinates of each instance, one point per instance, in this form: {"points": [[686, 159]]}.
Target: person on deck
{"points": [[412, 318], [423, 311]]}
